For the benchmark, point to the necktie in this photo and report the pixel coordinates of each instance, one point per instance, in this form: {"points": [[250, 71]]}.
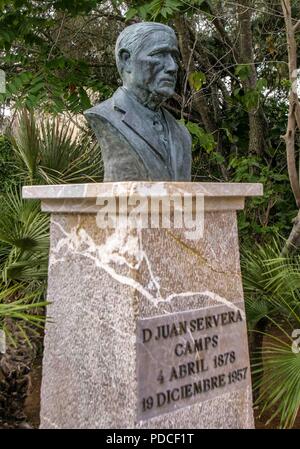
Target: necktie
{"points": [[160, 129]]}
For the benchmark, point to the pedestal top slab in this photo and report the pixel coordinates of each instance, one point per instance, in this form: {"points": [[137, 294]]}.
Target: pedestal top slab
{"points": [[144, 189]]}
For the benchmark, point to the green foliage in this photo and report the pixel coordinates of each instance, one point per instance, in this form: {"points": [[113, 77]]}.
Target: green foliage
{"points": [[47, 152], [243, 71], [54, 152], [272, 295], [280, 385], [256, 278], [197, 79], [17, 302], [6, 166], [59, 87], [39, 73], [250, 98], [152, 10], [268, 215], [201, 137], [76, 6], [163, 10], [24, 238]]}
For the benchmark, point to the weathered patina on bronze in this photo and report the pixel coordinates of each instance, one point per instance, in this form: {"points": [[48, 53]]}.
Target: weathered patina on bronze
{"points": [[139, 139]]}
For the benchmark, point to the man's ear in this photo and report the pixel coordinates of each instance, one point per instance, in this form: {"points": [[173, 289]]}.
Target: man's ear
{"points": [[125, 60]]}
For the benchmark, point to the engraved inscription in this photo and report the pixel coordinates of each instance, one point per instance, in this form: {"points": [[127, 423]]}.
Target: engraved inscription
{"points": [[189, 357]]}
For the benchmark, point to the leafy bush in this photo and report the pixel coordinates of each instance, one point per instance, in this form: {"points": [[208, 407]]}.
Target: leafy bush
{"points": [[37, 152], [272, 296], [20, 303], [54, 152], [7, 169]]}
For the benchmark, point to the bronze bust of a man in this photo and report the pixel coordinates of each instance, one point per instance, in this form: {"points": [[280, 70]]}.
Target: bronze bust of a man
{"points": [[139, 139]]}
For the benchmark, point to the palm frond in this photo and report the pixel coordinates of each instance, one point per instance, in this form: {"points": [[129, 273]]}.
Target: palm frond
{"points": [[254, 264], [256, 310], [283, 274], [53, 151], [24, 238], [279, 385], [26, 143], [272, 296], [21, 305]]}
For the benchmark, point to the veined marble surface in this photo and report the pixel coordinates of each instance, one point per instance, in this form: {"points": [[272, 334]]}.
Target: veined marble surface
{"points": [[160, 189], [101, 282], [88, 198]]}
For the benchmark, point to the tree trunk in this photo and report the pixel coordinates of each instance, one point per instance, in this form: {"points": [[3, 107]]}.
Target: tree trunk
{"points": [[200, 103], [257, 123], [293, 242]]}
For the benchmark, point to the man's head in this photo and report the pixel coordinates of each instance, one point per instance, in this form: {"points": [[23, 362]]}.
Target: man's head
{"points": [[147, 59]]}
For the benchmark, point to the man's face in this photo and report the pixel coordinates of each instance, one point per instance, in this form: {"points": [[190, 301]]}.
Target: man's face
{"points": [[154, 67]]}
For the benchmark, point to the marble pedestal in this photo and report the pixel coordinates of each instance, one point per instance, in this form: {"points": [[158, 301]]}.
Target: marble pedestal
{"points": [[114, 292]]}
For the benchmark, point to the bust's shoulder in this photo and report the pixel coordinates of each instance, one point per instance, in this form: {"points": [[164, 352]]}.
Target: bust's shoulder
{"points": [[101, 109], [111, 107]]}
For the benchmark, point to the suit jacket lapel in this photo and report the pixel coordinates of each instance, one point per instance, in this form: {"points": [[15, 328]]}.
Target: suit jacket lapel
{"points": [[138, 121], [175, 141]]}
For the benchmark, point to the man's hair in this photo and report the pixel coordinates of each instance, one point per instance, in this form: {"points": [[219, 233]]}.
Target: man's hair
{"points": [[133, 37]]}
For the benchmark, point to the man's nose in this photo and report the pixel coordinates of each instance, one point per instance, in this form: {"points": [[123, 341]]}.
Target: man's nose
{"points": [[171, 65]]}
